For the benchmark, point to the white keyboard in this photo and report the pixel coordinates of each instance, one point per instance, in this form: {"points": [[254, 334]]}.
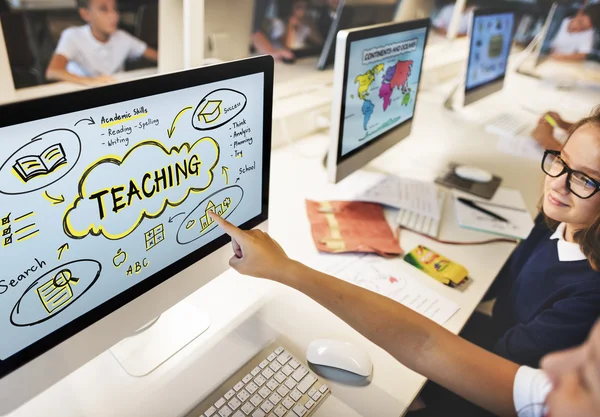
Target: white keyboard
{"points": [[420, 223], [272, 384], [507, 124]]}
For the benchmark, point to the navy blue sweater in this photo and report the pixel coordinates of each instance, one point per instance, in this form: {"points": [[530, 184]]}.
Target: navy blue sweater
{"points": [[543, 304]]}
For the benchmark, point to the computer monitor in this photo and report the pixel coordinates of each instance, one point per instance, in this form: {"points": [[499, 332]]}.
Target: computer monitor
{"points": [[351, 14], [104, 199], [490, 37], [376, 83]]}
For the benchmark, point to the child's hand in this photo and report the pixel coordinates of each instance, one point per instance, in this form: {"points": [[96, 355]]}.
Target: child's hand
{"points": [[99, 80], [255, 253], [544, 135]]}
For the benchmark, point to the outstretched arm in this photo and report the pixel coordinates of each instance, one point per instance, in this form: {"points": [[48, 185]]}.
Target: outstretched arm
{"points": [[415, 341]]}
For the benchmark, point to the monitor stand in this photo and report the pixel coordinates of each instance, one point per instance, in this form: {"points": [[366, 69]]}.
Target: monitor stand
{"points": [[156, 342]]}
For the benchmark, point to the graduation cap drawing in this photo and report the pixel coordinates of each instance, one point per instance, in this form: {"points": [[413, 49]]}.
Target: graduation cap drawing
{"points": [[210, 112]]}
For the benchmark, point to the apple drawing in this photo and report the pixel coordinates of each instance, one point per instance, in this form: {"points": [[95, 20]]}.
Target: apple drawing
{"points": [[119, 258]]}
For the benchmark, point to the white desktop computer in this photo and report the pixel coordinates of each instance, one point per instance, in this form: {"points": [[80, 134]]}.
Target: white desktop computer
{"points": [[104, 201], [490, 36], [376, 85], [490, 41]]}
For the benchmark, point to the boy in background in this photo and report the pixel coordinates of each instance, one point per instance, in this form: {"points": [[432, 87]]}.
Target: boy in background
{"points": [[90, 54]]}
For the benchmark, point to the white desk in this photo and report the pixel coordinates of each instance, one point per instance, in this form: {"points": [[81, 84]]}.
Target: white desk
{"points": [[247, 313]]}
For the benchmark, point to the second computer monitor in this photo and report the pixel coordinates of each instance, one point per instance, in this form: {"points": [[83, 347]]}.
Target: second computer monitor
{"points": [[376, 81], [491, 33]]}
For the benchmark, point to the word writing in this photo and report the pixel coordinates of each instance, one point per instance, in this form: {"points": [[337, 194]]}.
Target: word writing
{"points": [[248, 168], [150, 184], [6, 285]]}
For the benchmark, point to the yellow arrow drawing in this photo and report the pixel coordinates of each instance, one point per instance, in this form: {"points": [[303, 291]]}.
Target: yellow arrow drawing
{"points": [[60, 250], [224, 172], [54, 200], [172, 129]]}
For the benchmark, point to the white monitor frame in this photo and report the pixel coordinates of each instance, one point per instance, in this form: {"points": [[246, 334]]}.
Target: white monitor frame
{"points": [[339, 167], [477, 93], [31, 377]]}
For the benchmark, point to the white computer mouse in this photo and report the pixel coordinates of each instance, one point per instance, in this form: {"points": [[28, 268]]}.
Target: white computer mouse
{"points": [[474, 174], [339, 355]]}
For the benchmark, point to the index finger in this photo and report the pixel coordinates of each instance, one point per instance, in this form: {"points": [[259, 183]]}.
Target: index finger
{"points": [[229, 228]]}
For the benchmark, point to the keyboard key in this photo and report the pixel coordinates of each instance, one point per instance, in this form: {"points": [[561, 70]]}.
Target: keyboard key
{"points": [[275, 398], [272, 357], [260, 380], [283, 391], [251, 388], [238, 414], [225, 412], [306, 383], [275, 366], [258, 413], [229, 394], [317, 396], [247, 408], [278, 350], [280, 377], [255, 371], [287, 370], [300, 410], [294, 364], [238, 386], [284, 358], [263, 364], [267, 406], [264, 392], [323, 389], [247, 379], [312, 392], [243, 395], [272, 384], [290, 383], [211, 411], [309, 404], [220, 403], [295, 395], [257, 399], [280, 411], [234, 404], [300, 373], [288, 403], [267, 373]]}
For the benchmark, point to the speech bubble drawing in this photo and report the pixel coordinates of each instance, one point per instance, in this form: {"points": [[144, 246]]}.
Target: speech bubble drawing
{"points": [[218, 108], [198, 223], [55, 291], [41, 162], [116, 194]]}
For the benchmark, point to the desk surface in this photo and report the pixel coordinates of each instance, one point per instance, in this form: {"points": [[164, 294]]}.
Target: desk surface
{"points": [[248, 313]]}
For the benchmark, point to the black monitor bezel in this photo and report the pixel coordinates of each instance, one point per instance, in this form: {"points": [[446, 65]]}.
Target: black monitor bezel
{"points": [[486, 12], [375, 32], [25, 111]]}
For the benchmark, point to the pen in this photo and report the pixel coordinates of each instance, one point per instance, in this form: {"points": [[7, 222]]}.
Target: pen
{"points": [[550, 120], [472, 204]]}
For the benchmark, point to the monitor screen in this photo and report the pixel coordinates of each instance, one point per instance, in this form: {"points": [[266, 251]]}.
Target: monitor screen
{"points": [[491, 39], [104, 194], [380, 87]]}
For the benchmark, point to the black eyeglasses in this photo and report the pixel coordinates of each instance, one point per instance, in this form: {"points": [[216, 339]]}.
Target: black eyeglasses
{"points": [[580, 184]]}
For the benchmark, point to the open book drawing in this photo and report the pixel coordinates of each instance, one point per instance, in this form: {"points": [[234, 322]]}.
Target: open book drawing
{"points": [[31, 166]]}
